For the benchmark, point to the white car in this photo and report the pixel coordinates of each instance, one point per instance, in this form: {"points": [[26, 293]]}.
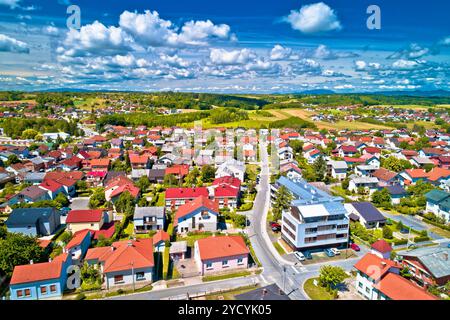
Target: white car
{"points": [[336, 251], [299, 255]]}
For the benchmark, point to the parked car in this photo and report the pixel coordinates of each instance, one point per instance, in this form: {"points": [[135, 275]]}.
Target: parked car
{"points": [[299, 255], [448, 245], [404, 231], [329, 253], [307, 255], [355, 247], [336, 251], [275, 226]]}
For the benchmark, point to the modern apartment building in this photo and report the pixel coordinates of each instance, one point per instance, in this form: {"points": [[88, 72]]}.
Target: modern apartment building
{"points": [[315, 220]]}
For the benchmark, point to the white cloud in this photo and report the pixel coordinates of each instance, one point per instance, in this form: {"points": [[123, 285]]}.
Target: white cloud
{"points": [[322, 52], [196, 32], [404, 64], [10, 3], [12, 45], [314, 18], [149, 29], [51, 30], [234, 57], [361, 65], [445, 41], [279, 52], [96, 39]]}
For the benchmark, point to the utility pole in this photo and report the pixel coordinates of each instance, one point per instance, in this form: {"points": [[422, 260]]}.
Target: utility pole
{"points": [[284, 279]]}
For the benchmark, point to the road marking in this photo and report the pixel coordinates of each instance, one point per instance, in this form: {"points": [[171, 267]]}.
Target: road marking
{"points": [[295, 269]]}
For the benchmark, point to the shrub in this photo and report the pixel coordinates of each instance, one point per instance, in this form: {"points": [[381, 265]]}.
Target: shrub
{"points": [[80, 296]]}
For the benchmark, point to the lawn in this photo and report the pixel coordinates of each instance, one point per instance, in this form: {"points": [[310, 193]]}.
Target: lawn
{"points": [[161, 202], [280, 250], [316, 292], [226, 276]]}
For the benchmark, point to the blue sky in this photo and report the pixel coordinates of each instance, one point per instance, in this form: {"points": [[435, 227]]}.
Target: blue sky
{"points": [[227, 46]]}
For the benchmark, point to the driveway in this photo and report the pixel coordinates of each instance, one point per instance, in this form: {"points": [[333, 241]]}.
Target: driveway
{"points": [[80, 203]]}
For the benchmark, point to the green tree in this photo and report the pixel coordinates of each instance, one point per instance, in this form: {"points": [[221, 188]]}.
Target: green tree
{"points": [[62, 200], [381, 197], [97, 199], [12, 159], [387, 233], [18, 249], [29, 134], [192, 177], [208, 173], [143, 183], [320, 168], [125, 203], [282, 202], [400, 226], [331, 276]]}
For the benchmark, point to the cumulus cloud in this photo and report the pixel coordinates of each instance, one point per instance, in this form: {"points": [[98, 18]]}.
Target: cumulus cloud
{"points": [[9, 44], [314, 18], [361, 65], [413, 51], [279, 52], [50, 30], [324, 53], [94, 39], [152, 30], [445, 41], [233, 57]]}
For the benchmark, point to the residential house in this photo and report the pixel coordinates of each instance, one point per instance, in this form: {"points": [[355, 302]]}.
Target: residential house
{"points": [[365, 212], [124, 263], [78, 220], [78, 245], [221, 254], [34, 221], [378, 279], [176, 197], [438, 202], [146, 219], [159, 240], [232, 168], [198, 215], [40, 281], [337, 169], [226, 191], [428, 266], [386, 177], [367, 183], [397, 192]]}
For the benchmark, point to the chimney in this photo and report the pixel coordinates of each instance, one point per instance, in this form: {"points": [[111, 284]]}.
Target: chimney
{"points": [[383, 263], [49, 260]]}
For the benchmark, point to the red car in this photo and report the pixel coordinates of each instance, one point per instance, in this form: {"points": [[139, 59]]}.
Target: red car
{"points": [[355, 247], [275, 226]]}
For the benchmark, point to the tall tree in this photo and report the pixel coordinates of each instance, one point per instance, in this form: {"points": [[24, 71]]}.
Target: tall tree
{"points": [[282, 202]]}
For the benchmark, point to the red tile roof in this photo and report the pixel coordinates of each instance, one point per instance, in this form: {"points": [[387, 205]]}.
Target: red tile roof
{"points": [[186, 193], [36, 272], [181, 170], [226, 191], [227, 180], [78, 238], [374, 266], [197, 203], [381, 246], [398, 288], [221, 247], [137, 254], [160, 235], [51, 185], [83, 216]]}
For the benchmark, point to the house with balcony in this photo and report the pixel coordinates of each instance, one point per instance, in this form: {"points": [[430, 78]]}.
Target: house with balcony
{"points": [[315, 219], [438, 202], [197, 215], [337, 169], [378, 278], [146, 219], [428, 266]]}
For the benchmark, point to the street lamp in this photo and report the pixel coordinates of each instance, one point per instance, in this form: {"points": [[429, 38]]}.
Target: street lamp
{"points": [[284, 279]]}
